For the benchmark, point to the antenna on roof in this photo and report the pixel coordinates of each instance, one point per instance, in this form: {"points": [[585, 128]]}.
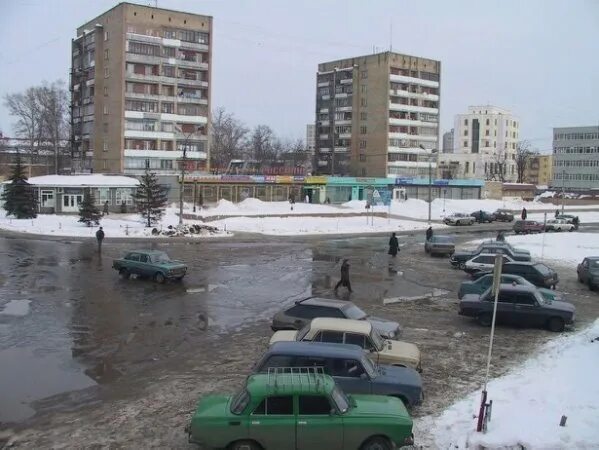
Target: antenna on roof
{"points": [[390, 36]]}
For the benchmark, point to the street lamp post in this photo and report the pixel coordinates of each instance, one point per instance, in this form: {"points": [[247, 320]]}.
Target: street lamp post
{"points": [[563, 189], [430, 180], [183, 164]]}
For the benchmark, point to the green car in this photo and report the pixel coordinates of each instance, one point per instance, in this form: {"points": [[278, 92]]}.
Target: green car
{"points": [[299, 411], [150, 263], [484, 282]]}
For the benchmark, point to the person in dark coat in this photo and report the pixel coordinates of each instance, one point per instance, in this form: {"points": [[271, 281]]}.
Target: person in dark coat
{"points": [[393, 245], [556, 213], [429, 233], [344, 281], [523, 215], [100, 238], [576, 222], [105, 209], [501, 236]]}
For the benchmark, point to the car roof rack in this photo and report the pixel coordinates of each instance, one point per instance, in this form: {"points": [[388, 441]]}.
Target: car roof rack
{"points": [[313, 376], [299, 302]]}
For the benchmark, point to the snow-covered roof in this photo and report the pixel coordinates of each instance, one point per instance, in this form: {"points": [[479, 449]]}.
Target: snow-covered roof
{"points": [[84, 180]]}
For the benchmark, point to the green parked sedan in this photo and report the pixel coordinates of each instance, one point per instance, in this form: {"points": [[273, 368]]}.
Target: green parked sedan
{"points": [[484, 282], [150, 263], [297, 411]]}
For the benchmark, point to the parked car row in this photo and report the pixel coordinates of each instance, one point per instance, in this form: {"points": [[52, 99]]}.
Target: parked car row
{"points": [[480, 216], [328, 364]]}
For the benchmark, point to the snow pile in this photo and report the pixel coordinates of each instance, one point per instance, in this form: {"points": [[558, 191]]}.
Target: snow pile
{"points": [[529, 402], [566, 249], [256, 207], [186, 230]]}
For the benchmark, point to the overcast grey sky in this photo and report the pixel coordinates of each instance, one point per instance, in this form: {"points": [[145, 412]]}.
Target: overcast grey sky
{"points": [[538, 58]]}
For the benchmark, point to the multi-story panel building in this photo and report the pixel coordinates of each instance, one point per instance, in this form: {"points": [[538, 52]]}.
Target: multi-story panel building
{"points": [[140, 84], [539, 170], [377, 115], [576, 158], [484, 145], [448, 141], [310, 138]]}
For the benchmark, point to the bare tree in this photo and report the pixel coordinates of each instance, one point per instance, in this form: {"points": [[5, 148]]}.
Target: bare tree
{"points": [[496, 170], [228, 138], [26, 108], [261, 144], [53, 100], [524, 154]]}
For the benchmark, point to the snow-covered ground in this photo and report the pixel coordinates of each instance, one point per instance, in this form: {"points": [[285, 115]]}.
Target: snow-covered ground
{"points": [[114, 225], [566, 249], [317, 225], [584, 216], [529, 402], [413, 208]]}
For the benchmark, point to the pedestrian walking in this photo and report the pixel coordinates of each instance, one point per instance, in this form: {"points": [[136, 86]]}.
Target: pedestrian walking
{"points": [[556, 213], [393, 245], [524, 214], [344, 281], [576, 222], [105, 209], [429, 233], [100, 238], [500, 237]]}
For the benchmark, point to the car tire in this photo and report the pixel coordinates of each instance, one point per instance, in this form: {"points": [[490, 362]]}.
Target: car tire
{"points": [[159, 277], [485, 319], [579, 279], [592, 286], [556, 324], [462, 266], [377, 443], [243, 445], [124, 273]]}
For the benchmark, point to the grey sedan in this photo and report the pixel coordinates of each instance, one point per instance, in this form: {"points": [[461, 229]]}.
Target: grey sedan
{"points": [[518, 305], [303, 311], [440, 245]]}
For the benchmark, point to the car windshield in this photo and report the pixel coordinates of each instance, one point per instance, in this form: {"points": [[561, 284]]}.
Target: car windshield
{"points": [[378, 341], [594, 264], [543, 269], [240, 401], [355, 313], [160, 258], [340, 399], [301, 334], [368, 367]]}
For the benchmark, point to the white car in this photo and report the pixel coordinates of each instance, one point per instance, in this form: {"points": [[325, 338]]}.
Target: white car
{"points": [[559, 225], [483, 262], [459, 219]]}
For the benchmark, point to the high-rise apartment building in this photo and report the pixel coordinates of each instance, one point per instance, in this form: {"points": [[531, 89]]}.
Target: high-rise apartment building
{"points": [[310, 138], [576, 158], [140, 83], [484, 145], [377, 116], [448, 141]]}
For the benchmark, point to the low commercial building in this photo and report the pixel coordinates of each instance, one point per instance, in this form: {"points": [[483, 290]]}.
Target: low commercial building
{"points": [[62, 194]]}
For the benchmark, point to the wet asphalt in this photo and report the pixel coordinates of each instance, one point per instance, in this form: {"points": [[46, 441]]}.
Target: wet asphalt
{"points": [[68, 323]]}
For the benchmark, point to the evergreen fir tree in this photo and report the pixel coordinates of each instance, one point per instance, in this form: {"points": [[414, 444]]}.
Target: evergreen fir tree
{"points": [[89, 214], [150, 198], [18, 196]]}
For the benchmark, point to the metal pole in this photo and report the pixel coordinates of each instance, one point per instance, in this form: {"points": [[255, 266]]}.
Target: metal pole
{"points": [[183, 180], [430, 182]]}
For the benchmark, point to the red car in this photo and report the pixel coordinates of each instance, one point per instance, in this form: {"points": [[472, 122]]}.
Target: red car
{"points": [[528, 226]]}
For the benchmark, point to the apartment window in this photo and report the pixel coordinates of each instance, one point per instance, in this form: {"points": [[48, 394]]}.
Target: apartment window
{"points": [[486, 132], [166, 164], [136, 105], [495, 122], [168, 108], [170, 34], [363, 116], [144, 49], [105, 53], [169, 52], [364, 74], [363, 171], [105, 146], [362, 144], [168, 71], [106, 35], [363, 129], [105, 127], [104, 164], [105, 109], [466, 132], [363, 101], [363, 89], [487, 143], [105, 91], [362, 157], [465, 144], [488, 122], [467, 168], [473, 167], [106, 72], [466, 122]]}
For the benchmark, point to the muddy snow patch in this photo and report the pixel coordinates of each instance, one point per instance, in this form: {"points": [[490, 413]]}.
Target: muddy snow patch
{"points": [[429, 295], [16, 308]]}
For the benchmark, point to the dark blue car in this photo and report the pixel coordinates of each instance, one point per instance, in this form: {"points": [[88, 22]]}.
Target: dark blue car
{"points": [[348, 365]]}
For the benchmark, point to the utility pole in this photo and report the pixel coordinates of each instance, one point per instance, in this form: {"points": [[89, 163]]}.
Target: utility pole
{"points": [[430, 180], [183, 164], [563, 189]]}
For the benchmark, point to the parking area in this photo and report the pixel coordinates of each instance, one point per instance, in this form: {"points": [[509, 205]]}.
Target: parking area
{"points": [[141, 354]]}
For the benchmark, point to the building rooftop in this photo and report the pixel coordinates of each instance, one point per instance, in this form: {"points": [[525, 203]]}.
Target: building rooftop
{"points": [[84, 180]]}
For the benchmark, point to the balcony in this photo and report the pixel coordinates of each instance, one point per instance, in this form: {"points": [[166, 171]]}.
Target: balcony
{"points": [[422, 164], [343, 122], [142, 134], [144, 59], [199, 120], [412, 108], [408, 150], [324, 110], [418, 81], [150, 77], [324, 123], [192, 82], [415, 137], [323, 137], [324, 150], [417, 95], [341, 149], [345, 135], [343, 108], [188, 45], [412, 123], [347, 81], [163, 154], [157, 40], [323, 84]]}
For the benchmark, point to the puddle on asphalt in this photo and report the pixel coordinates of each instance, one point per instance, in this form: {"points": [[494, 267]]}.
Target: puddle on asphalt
{"points": [[32, 377], [16, 308]]}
